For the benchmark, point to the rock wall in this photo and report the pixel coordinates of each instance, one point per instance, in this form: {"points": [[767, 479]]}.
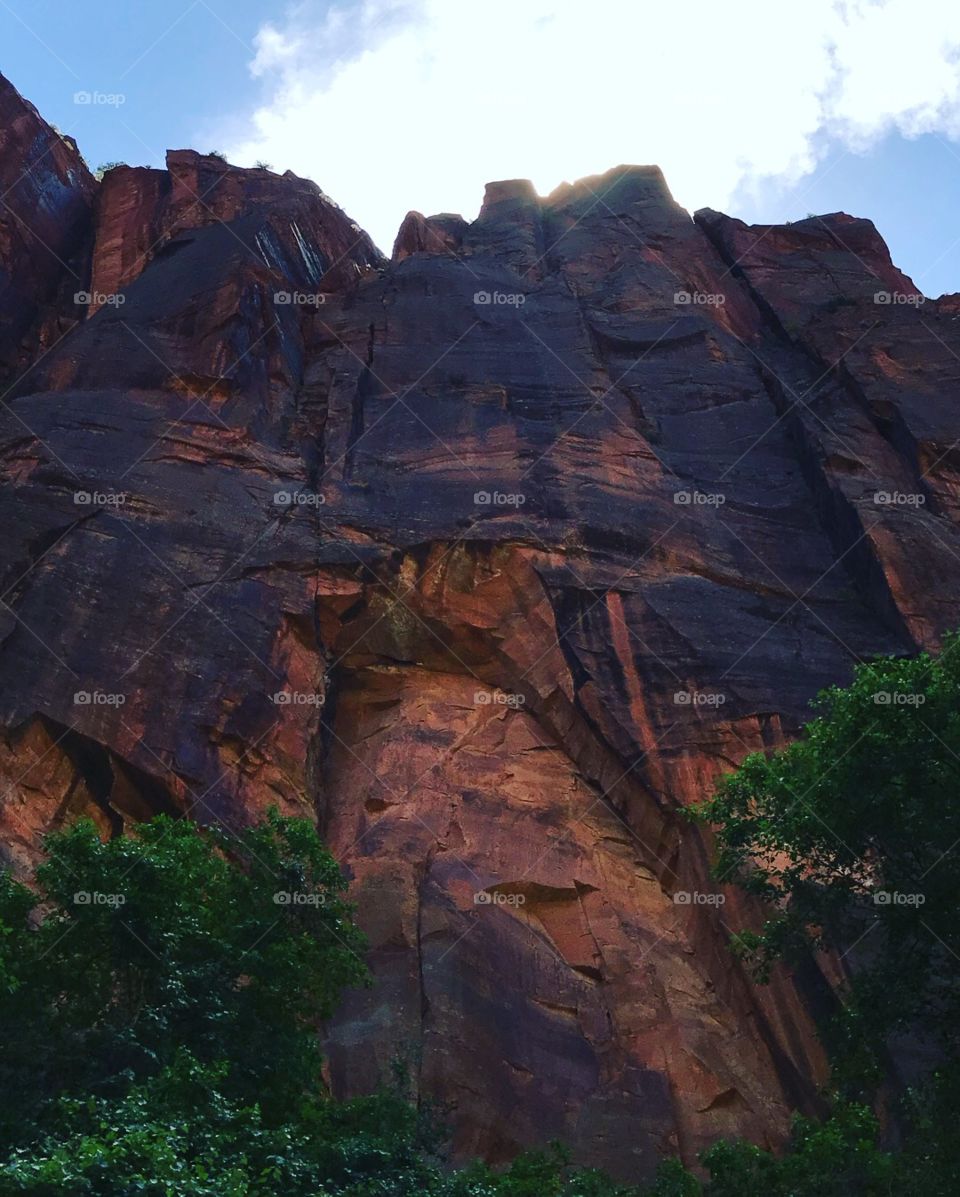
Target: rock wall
{"points": [[490, 557]]}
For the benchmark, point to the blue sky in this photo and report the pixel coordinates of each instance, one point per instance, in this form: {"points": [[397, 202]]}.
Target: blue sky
{"points": [[396, 104], [176, 72], [909, 188]]}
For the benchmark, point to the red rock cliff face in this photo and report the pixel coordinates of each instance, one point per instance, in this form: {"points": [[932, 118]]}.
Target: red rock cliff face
{"points": [[535, 530], [46, 193]]}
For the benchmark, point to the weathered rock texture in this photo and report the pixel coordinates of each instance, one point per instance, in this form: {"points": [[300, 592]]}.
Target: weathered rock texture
{"points": [[46, 193], [490, 513]]}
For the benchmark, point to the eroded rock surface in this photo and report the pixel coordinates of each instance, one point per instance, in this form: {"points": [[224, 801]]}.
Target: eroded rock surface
{"points": [[491, 557], [46, 196]]}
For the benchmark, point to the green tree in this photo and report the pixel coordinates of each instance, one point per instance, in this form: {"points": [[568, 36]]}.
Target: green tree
{"points": [[852, 835], [131, 950], [178, 1133], [159, 995], [834, 1158]]}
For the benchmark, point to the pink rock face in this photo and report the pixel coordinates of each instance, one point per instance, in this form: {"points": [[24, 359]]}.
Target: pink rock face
{"points": [[142, 212], [491, 558], [420, 234]]}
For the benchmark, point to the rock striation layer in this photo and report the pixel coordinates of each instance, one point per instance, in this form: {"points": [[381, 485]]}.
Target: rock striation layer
{"points": [[491, 558]]}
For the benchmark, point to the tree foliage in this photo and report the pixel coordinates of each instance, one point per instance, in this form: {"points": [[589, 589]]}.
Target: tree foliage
{"points": [[130, 950], [852, 834]]}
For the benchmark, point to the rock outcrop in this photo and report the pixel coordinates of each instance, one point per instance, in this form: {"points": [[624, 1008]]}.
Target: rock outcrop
{"points": [[491, 557]]}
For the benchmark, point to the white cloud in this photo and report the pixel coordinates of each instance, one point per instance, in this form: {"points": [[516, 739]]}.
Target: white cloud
{"points": [[398, 104], [898, 69]]}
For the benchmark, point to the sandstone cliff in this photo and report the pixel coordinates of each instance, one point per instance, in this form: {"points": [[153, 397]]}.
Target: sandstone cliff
{"points": [[491, 557]]}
